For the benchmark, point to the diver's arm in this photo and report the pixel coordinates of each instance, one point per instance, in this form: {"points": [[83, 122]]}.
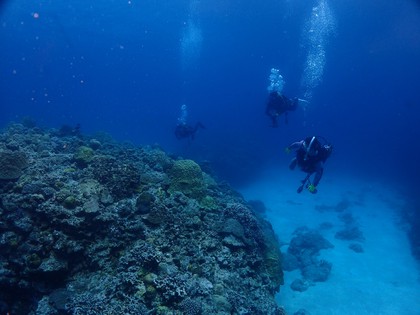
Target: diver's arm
{"points": [[296, 145]]}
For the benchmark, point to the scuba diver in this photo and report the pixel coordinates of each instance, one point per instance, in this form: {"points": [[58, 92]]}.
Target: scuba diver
{"points": [[278, 103], [311, 155], [184, 130]]}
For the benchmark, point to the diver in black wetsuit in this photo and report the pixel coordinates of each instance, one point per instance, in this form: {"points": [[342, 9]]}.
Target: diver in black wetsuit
{"points": [[184, 130], [279, 104], [311, 155]]}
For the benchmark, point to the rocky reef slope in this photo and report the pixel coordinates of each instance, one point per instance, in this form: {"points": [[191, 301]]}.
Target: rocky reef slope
{"points": [[90, 226]]}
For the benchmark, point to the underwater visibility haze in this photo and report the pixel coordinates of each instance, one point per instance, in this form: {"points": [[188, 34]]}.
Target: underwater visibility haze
{"points": [[126, 67], [135, 69]]}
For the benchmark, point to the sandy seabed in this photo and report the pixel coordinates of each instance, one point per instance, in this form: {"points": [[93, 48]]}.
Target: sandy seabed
{"points": [[383, 279]]}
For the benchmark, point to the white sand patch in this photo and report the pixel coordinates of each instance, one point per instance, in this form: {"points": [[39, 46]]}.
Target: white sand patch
{"points": [[381, 280]]}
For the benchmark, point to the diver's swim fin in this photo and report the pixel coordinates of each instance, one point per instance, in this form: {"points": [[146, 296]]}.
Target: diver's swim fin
{"points": [[304, 181]]}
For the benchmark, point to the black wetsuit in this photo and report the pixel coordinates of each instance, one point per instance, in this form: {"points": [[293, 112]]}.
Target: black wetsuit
{"points": [[186, 131], [313, 163], [278, 104]]}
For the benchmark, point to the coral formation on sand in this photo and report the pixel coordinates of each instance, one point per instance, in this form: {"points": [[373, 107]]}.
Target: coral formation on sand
{"points": [[303, 254], [90, 226]]}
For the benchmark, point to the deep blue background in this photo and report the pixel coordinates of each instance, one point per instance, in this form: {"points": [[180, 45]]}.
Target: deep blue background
{"points": [[116, 66]]}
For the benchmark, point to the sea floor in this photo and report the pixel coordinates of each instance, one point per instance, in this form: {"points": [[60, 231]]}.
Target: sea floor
{"points": [[383, 279]]}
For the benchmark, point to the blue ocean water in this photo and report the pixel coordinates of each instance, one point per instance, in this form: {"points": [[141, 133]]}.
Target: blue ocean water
{"points": [[125, 67]]}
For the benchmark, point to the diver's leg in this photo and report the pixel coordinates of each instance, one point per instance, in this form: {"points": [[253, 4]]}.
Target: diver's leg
{"points": [[293, 163], [319, 170]]}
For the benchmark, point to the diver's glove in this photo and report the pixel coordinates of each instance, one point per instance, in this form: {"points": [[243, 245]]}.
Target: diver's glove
{"points": [[312, 189], [287, 150]]}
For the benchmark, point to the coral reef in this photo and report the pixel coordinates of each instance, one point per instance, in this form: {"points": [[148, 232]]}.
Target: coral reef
{"points": [[12, 164], [83, 155], [186, 176], [90, 226]]}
